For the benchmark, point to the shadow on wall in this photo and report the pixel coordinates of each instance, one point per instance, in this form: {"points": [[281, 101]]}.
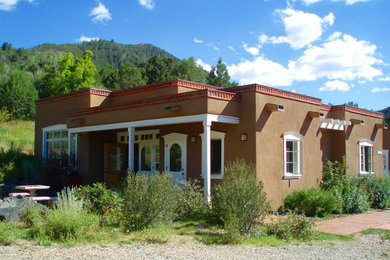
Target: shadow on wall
{"points": [[263, 118]]}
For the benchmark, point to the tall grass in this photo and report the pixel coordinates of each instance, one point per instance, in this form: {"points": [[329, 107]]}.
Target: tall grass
{"points": [[20, 133]]}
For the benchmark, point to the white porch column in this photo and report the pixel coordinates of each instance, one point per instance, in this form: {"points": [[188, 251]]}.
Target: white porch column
{"points": [[206, 159], [70, 148], [131, 148]]}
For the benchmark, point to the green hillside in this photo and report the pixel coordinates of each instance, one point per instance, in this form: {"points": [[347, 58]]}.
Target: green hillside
{"points": [[108, 53]]}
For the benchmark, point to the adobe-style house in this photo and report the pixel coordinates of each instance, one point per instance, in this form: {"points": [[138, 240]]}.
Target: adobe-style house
{"points": [[386, 149], [191, 130]]}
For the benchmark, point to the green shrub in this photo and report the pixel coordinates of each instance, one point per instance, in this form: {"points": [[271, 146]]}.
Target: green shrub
{"points": [[4, 115], [32, 216], [68, 221], [8, 233], [334, 175], [101, 201], [378, 190], [354, 197], [149, 200], [312, 202], [192, 204], [292, 226], [239, 200]]}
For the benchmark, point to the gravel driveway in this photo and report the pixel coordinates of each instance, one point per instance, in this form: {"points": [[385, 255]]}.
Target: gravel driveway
{"points": [[367, 246]]}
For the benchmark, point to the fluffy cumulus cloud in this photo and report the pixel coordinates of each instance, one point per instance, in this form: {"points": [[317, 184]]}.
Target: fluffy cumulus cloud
{"points": [[148, 4], [344, 58], [252, 50], [262, 71], [84, 38], [387, 78], [8, 5], [335, 85], [377, 89], [205, 66], [301, 28], [347, 2], [100, 14]]}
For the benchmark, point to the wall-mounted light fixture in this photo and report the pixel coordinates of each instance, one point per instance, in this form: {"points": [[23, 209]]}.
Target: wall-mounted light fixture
{"points": [[193, 139], [173, 108], [78, 120], [244, 137]]}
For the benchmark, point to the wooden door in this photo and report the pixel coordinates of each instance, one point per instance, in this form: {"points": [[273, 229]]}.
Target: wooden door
{"points": [[114, 163]]}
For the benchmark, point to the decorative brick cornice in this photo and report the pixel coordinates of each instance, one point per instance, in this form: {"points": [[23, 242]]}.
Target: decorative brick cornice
{"points": [[325, 107], [357, 110], [214, 94], [276, 92], [174, 83], [89, 91]]}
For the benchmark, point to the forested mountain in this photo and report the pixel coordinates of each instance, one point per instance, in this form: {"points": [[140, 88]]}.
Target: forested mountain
{"points": [[386, 112], [108, 53]]}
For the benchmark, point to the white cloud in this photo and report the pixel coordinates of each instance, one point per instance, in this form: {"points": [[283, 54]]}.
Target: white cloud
{"points": [[301, 28], [347, 2], [148, 4], [212, 45], [84, 38], [345, 58], [252, 50], [335, 85], [9, 5], [100, 13], [232, 49], [376, 89], [387, 78], [334, 36], [196, 40], [262, 71], [203, 65]]}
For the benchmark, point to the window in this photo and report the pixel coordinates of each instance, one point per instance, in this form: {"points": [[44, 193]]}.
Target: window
{"points": [[56, 146], [217, 154], [365, 157], [293, 155]]}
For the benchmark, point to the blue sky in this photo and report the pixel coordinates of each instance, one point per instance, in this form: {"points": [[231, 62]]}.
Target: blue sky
{"points": [[336, 50]]}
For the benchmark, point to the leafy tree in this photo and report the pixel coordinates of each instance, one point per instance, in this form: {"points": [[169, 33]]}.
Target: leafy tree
{"points": [[69, 75], [353, 104], [158, 69], [18, 95], [219, 76], [188, 70]]}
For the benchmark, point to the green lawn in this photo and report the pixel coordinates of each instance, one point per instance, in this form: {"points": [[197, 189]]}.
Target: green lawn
{"points": [[21, 133]]}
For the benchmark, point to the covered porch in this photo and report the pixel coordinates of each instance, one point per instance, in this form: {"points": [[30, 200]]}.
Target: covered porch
{"points": [[140, 141]]}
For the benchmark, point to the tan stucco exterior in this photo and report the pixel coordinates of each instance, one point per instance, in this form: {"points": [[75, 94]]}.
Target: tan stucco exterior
{"points": [[249, 104]]}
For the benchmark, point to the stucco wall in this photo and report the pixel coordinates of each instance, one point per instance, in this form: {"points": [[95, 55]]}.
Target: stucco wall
{"points": [[270, 128]]}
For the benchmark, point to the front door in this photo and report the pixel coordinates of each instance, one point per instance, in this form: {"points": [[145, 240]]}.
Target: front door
{"points": [[114, 163], [175, 161]]}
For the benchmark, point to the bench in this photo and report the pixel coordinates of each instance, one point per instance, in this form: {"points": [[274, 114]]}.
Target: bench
{"points": [[50, 200], [15, 194]]}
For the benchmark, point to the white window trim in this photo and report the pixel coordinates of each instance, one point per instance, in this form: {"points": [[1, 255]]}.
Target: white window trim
{"points": [[292, 136], [215, 135], [364, 143]]}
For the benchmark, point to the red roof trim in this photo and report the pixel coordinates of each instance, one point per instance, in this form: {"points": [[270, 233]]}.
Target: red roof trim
{"points": [[357, 110], [215, 94], [276, 92], [89, 91], [325, 107], [174, 83]]}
